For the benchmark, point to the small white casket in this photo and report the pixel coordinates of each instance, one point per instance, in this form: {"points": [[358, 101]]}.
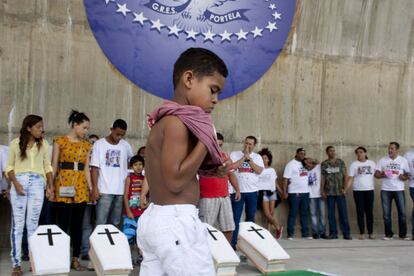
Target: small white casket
{"points": [[225, 259], [110, 253], [49, 251], [261, 248]]}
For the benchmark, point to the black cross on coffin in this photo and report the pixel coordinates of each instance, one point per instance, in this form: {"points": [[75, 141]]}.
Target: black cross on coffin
{"points": [[252, 229], [109, 235], [50, 234], [211, 233]]}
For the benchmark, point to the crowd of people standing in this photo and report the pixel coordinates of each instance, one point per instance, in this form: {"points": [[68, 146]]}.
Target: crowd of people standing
{"points": [[82, 181]]}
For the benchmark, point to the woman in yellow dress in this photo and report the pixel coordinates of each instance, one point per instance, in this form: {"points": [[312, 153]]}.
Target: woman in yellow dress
{"points": [[72, 182]]}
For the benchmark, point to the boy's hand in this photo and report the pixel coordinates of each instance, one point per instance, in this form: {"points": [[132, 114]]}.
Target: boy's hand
{"points": [[143, 202], [237, 196], [129, 213], [95, 195], [223, 170]]}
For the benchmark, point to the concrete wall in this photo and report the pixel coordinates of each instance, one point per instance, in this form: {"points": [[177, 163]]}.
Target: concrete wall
{"points": [[345, 78]]}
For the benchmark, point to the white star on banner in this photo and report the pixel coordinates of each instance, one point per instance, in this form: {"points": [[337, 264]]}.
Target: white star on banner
{"points": [[123, 9], [209, 36], [271, 26], [107, 1], [191, 34], [226, 36], [241, 35], [257, 32], [156, 25], [272, 7], [277, 15], [174, 30], [139, 18]]}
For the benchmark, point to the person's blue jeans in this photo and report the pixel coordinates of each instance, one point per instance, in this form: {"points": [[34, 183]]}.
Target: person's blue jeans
{"points": [[340, 202], [386, 199], [298, 202], [412, 212], [87, 227], [25, 209], [250, 199], [109, 209], [318, 211]]}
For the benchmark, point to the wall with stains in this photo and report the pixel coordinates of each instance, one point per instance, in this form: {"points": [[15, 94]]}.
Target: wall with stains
{"points": [[345, 78]]}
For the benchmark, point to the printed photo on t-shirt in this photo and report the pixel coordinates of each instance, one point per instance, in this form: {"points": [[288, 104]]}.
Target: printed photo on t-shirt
{"points": [[113, 158], [364, 170], [245, 168], [332, 170], [392, 170], [303, 172], [312, 178]]}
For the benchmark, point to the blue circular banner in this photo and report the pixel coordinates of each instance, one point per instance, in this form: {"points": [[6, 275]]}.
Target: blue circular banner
{"points": [[143, 38]]}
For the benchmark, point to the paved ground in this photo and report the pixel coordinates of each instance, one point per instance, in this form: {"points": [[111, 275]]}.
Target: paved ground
{"points": [[338, 257]]}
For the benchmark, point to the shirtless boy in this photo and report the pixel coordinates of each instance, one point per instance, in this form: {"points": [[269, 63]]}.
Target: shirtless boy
{"points": [[170, 234]]}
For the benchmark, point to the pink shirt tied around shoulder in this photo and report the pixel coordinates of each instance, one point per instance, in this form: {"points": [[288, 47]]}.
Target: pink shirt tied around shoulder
{"points": [[199, 123]]}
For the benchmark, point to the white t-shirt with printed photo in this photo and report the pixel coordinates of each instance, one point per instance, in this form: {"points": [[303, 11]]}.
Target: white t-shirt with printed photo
{"points": [[363, 174], [410, 158], [247, 178], [112, 161], [4, 153], [298, 177], [267, 179], [314, 181], [392, 170]]}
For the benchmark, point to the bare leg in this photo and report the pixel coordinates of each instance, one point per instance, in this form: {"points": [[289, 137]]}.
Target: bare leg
{"points": [[228, 235]]}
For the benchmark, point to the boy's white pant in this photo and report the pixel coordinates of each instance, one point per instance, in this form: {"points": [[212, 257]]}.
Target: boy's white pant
{"points": [[173, 241]]}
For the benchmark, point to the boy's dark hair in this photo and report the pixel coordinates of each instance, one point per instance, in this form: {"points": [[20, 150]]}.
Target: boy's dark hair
{"points": [[119, 123], [299, 150], [140, 149], [136, 158], [328, 148], [220, 136], [397, 145], [268, 153], [77, 117], [201, 61], [251, 138], [93, 136]]}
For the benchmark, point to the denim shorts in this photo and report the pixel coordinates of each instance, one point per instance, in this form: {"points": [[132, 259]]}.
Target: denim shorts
{"points": [[269, 197]]}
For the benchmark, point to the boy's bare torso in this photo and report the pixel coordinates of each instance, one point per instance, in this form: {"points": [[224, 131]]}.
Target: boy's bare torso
{"points": [[157, 180]]}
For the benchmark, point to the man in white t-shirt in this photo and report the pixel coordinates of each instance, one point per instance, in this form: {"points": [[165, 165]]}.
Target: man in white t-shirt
{"points": [[248, 165], [296, 190], [109, 163], [410, 158], [393, 170], [317, 204]]}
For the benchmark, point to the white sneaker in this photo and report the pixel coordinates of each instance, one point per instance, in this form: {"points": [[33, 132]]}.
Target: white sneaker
{"points": [[308, 238], [290, 238], [385, 238]]}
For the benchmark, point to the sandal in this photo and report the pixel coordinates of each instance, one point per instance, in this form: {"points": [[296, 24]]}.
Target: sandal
{"points": [[76, 265], [17, 271], [279, 232]]}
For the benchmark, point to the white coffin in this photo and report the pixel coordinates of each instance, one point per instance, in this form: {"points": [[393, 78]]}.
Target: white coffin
{"points": [[109, 251], [261, 248], [49, 251], [225, 259]]}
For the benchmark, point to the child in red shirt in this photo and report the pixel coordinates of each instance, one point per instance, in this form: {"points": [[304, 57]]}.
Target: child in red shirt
{"points": [[134, 198]]}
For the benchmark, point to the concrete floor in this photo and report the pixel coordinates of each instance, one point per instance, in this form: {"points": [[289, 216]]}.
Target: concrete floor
{"points": [[338, 257]]}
